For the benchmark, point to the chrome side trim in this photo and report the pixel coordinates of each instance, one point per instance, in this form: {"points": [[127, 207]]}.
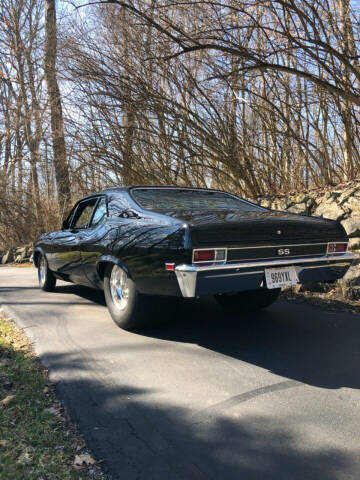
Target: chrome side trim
{"points": [[226, 275], [338, 264], [280, 246]]}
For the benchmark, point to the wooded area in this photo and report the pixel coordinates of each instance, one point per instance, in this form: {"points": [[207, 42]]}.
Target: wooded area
{"points": [[255, 97]]}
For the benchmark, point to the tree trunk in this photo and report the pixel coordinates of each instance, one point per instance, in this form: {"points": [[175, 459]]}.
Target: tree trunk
{"points": [[346, 107], [57, 127]]}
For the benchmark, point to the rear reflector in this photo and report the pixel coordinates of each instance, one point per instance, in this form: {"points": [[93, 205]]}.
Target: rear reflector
{"points": [[336, 248]]}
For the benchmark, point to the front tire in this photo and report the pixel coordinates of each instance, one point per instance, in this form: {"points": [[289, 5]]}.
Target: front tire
{"points": [[126, 305], [249, 301], [47, 280]]}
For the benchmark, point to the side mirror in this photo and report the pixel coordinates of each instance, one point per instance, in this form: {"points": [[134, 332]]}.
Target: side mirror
{"points": [[65, 225]]}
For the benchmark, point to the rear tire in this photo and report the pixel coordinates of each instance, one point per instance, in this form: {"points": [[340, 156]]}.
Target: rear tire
{"points": [[249, 301], [126, 305], [47, 280]]}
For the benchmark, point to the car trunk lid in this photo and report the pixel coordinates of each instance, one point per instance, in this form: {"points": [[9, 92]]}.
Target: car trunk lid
{"points": [[215, 228]]}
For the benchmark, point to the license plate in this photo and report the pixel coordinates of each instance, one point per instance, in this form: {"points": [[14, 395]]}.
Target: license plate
{"points": [[280, 277]]}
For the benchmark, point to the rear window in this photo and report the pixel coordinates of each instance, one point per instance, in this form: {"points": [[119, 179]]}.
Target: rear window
{"points": [[165, 200]]}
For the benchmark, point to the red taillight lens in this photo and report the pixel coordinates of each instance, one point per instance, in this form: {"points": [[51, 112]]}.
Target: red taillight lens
{"points": [[204, 255], [335, 247]]}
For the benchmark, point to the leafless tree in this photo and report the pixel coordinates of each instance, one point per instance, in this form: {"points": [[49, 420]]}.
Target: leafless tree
{"points": [[255, 97], [60, 161]]}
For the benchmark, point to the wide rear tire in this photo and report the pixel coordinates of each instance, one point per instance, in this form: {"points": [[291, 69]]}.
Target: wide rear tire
{"points": [[249, 301], [128, 308], [47, 280]]}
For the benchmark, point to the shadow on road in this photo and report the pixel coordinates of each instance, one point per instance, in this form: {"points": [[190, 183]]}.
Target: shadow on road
{"points": [[297, 341], [91, 294], [301, 342], [150, 440], [141, 440]]}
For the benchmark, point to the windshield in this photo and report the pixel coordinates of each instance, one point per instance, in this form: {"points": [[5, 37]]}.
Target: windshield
{"points": [[165, 200]]}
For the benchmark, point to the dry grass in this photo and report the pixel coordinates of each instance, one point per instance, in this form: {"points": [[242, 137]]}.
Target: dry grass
{"points": [[37, 440], [332, 299]]}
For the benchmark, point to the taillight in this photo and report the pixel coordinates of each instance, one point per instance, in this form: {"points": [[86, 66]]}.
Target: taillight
{"points": [[204, 255], [207, 256], [335, 248]]}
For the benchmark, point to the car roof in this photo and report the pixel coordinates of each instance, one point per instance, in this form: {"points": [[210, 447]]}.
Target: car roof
{"points": [[130, 187]]}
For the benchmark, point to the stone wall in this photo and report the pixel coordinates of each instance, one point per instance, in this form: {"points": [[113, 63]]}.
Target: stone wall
{"points": [[341, 203], [16, 255]]}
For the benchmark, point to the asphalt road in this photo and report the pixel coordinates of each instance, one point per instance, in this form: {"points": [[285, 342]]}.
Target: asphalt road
{"points": [[273, 395]]}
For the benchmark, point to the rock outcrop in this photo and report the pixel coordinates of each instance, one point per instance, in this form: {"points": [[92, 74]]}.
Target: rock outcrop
{"points": [[16, 255], [342, 204], [350, 284]]}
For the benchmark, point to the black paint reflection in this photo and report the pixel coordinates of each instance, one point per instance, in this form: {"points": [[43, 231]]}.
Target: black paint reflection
{"points": [[143, 241]]}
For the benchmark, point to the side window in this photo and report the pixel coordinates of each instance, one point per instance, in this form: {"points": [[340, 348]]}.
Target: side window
{"points": [[100, 213], [83, 213], [69, 218]]}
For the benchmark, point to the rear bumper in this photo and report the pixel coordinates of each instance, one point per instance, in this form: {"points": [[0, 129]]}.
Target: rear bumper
{"points": [[209, 280]]}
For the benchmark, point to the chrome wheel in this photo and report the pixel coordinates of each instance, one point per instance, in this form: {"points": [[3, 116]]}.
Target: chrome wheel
{"points": [[119, 288], [42, 270]]}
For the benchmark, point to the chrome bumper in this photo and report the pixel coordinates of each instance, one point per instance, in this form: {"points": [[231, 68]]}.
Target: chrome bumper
{"points": [[208, 280]]}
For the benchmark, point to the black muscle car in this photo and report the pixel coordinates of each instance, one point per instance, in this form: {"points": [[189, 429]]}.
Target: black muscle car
{"points": [[139, 242]]}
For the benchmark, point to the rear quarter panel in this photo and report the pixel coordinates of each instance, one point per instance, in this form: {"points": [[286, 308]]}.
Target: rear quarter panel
{"points": [[143, 246]]}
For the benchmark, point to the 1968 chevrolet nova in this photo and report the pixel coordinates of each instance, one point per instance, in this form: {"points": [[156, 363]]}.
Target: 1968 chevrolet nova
{"points": [[136, 243]]}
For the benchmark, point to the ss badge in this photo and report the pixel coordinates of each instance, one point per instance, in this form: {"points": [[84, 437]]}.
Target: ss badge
{"points": [[283, 251]]}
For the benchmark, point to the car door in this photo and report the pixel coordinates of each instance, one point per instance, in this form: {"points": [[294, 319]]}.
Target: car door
{"points": [[66, 249], [92, 244]]}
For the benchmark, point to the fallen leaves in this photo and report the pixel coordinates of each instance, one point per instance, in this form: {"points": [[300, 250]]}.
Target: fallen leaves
{"points": [[54, 411], [30, 409], [7, 400], [24, 458], [83, 460]]}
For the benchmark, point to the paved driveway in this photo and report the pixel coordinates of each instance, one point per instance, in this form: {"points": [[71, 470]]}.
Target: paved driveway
{"points": [[273, 395]]}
